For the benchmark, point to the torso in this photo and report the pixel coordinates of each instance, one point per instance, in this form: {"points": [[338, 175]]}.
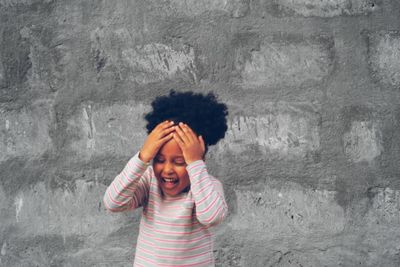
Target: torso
{"points": [[170, 234]]}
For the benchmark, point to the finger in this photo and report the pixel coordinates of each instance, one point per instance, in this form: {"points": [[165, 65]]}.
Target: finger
{"points": [[166, 124], [160, 131], [189, 133], [166, 131], [166, 138], [161, 124], [182, 134], [178, 140], [186, 132]]}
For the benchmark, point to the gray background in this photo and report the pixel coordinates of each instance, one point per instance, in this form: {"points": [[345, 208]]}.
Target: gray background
{"points": [[310, 162]]}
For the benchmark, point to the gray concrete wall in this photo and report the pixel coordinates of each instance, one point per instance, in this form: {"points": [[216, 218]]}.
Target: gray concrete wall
{"points": [[310, 162]]}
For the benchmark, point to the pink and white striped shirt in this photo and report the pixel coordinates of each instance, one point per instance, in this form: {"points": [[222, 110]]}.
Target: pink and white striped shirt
{"points": [[174, 231]]}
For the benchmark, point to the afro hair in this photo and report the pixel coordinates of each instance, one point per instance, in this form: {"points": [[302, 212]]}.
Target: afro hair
{"points": [[203, 113]]}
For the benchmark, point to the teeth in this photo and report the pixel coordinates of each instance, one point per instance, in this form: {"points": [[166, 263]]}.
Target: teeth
{"points": [[169, 180]]}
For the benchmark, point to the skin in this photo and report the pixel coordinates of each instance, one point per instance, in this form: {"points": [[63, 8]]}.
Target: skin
{"points": [[172, 148]]}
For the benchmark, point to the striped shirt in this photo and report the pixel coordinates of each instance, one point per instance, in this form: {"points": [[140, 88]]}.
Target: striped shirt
{"points": [[174, 231]]}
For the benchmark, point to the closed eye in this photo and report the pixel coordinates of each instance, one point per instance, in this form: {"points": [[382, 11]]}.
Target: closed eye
{"points": [[158, 160]]}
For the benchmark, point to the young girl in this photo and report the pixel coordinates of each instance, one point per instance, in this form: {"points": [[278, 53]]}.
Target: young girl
{"points": [[181, 201]]}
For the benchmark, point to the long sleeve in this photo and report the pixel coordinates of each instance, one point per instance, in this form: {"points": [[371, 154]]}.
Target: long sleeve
{"points": [[130, 188], [208, 194]]}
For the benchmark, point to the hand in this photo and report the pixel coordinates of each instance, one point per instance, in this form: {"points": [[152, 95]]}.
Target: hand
{"points": [[161, 134], [193, 147]]}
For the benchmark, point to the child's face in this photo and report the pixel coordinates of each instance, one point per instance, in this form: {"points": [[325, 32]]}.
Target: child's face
{"points": [[170, 169]]}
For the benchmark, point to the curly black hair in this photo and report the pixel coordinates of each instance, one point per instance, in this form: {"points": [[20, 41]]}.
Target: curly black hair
{"points": [[203, 113]]}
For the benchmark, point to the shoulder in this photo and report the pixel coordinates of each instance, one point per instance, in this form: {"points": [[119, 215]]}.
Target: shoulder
{"points": [[149, 173]]}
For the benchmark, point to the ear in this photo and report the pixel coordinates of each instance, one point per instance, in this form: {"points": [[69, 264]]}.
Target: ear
{"points": [[202, 143]]}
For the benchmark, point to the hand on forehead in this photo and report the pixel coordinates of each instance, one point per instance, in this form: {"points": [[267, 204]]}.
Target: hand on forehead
{"points": [[183, 124], [192, 145]]}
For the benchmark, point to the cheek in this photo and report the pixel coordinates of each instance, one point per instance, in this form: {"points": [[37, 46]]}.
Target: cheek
{"points": [[183, 175], [157, 169]]}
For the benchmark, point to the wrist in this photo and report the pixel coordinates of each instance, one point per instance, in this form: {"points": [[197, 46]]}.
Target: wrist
{"points": [[143, 158], [193, 160]]}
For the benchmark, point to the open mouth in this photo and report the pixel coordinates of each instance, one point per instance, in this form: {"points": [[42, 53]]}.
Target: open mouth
{"points": [[170, 180]]}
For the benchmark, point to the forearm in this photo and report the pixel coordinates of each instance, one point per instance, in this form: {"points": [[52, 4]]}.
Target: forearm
{"points": [[129, 188], [208, 194]]}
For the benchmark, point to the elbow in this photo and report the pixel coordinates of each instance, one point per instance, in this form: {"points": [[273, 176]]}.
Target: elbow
{"points": [[107, 206], [110, 206], [213, 219]]}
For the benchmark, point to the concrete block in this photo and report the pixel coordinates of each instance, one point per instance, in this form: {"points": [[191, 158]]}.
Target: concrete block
{"points": [[285, 61], [102, 43], [385, 209], [268, 213], [12, 3], [286, 129], [236, 8], [156, 62], [384, 54], [290, 251], [2, 73], [328, 8], [45, 73], [4, 211], [40, 250], [239, 8], [40, 211], [152, 62], [363, 142], [99, 130], [25, 133], [382, 222], [63, 226], [14, 60], [228, 254], [304, 256]]}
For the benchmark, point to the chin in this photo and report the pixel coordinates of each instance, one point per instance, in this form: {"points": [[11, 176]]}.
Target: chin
{"points": [[174, 193]]}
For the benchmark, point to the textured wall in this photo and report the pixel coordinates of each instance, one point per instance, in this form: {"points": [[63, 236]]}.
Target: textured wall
{"points": [[310, 162]]}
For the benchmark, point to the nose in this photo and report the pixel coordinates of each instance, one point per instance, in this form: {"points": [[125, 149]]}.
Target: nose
{"points": [[168, 168]]}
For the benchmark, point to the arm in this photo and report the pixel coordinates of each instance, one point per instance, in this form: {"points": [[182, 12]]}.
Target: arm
{"points": [[207, 191], [130, 188], [208, 194]]}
